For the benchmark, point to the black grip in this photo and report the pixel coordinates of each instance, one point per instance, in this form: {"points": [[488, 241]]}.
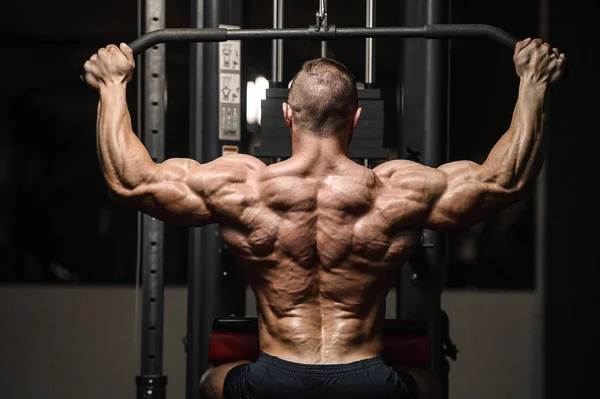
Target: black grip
{"points": [[471, 30], [189, 35], [476, 30]]}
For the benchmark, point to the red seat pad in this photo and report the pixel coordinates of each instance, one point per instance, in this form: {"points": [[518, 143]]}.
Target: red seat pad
{"points": [[227, 347]]}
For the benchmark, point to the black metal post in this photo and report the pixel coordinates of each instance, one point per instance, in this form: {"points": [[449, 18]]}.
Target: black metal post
{"points": [[210, 276], [151, 383], [434, 154], [194, 340], [424, 122], [370, 46], [541, 237], [277, 44], [210, 265]]}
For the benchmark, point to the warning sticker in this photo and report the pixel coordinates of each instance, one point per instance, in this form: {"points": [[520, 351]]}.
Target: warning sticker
{"points": [[230, 90], [229, 125], [230, 149]]}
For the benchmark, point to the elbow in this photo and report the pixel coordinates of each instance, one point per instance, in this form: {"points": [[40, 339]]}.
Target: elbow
{"points": [[517, 191], [118, 193]]}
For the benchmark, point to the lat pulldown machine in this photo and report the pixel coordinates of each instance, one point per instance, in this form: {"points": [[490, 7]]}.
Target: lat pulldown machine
{"points": [[422, 286]]}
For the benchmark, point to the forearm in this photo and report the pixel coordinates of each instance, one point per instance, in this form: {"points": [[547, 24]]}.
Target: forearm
{"points": [[517, 158], [123, 158]]}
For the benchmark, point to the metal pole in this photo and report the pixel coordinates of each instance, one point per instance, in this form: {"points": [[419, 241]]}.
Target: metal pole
{"points": [[151, 383], [323, 12], [193, 342], [369, 71], [434, 154], [277, 44], [209, 245], [541, 240]]}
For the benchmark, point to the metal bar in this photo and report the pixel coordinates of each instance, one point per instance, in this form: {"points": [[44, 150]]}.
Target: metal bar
{"points": [[151, 383], [209, 264], [541, 237], [322, 13], [277, 45], [434, 154], [434, 31], [193, 342], [369, 70]]}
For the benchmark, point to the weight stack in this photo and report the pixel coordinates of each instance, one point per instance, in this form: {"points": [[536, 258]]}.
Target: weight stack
{"points": [[367, 141]]}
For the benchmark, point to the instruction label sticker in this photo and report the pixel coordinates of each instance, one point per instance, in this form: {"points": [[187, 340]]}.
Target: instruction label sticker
{"points": [[230, 149], [230, 90]]}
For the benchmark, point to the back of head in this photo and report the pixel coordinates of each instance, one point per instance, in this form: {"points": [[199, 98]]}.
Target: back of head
{"points": [[323, 98]]}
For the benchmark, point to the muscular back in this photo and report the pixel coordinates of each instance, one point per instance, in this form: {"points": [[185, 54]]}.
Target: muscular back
{"points": [[321, 249]]}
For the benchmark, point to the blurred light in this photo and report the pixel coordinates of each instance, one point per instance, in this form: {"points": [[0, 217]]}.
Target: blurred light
{"points": [[262, 84], [255, 92], [251, 107]]}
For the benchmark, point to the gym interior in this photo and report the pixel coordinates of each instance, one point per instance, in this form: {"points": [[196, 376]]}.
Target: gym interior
{"points": [[99, 301]]}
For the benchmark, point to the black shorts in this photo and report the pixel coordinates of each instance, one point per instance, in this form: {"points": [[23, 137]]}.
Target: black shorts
{"points": [[271, 377]]}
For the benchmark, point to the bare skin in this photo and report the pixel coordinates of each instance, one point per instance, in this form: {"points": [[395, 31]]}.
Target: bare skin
{"points": [[320, 238]]}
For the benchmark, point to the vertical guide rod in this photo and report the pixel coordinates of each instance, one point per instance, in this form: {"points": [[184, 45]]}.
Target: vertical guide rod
{"points": [[434, 154], [277, 44], [195, 308], [369, 48], [323, 13], [151, 384], [541, 238]]}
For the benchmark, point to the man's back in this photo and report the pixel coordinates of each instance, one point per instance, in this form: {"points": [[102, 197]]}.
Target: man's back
{"points": [[320, 257]]}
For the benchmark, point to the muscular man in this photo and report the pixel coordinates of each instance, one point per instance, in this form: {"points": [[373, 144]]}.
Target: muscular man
{"points": [[320, 238]]}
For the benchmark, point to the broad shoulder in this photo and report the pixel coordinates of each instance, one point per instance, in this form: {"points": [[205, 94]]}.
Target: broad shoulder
{"points": [[223, 172], [407, 180], [238, 161], [408, 174]]}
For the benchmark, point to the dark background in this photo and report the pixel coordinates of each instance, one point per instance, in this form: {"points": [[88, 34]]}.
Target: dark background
{"points": [[57, 224]]}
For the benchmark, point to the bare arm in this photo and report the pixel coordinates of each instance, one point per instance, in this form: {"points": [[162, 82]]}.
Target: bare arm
{"points": [[179, 191], [463, 193], [468, 192]]}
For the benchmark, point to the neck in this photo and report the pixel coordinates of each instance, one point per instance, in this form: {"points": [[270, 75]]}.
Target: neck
{"points": [[325, 149]]}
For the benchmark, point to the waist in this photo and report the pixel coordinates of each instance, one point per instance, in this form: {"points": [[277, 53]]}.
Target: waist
{"points": [[327, 349], [316, 370]]}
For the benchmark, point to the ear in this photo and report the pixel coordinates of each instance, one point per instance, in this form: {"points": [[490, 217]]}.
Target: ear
{"points": [[287, 114], [356, 117]]}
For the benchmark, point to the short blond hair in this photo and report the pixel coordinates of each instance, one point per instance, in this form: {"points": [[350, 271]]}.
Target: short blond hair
{"points": [[323, 98]]}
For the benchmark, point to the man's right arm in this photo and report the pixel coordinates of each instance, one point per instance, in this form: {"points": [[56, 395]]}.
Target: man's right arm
{"points": [[463, 193], [467, 193]]}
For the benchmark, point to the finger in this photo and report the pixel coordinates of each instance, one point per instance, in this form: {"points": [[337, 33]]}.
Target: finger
{"points": [[102, 52], [92, 80], [128, 51], [537, 42], [521, 45], [94, 58], [91, 75], [556, 52], [562, 61], [546, 48], [92, 68]]}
